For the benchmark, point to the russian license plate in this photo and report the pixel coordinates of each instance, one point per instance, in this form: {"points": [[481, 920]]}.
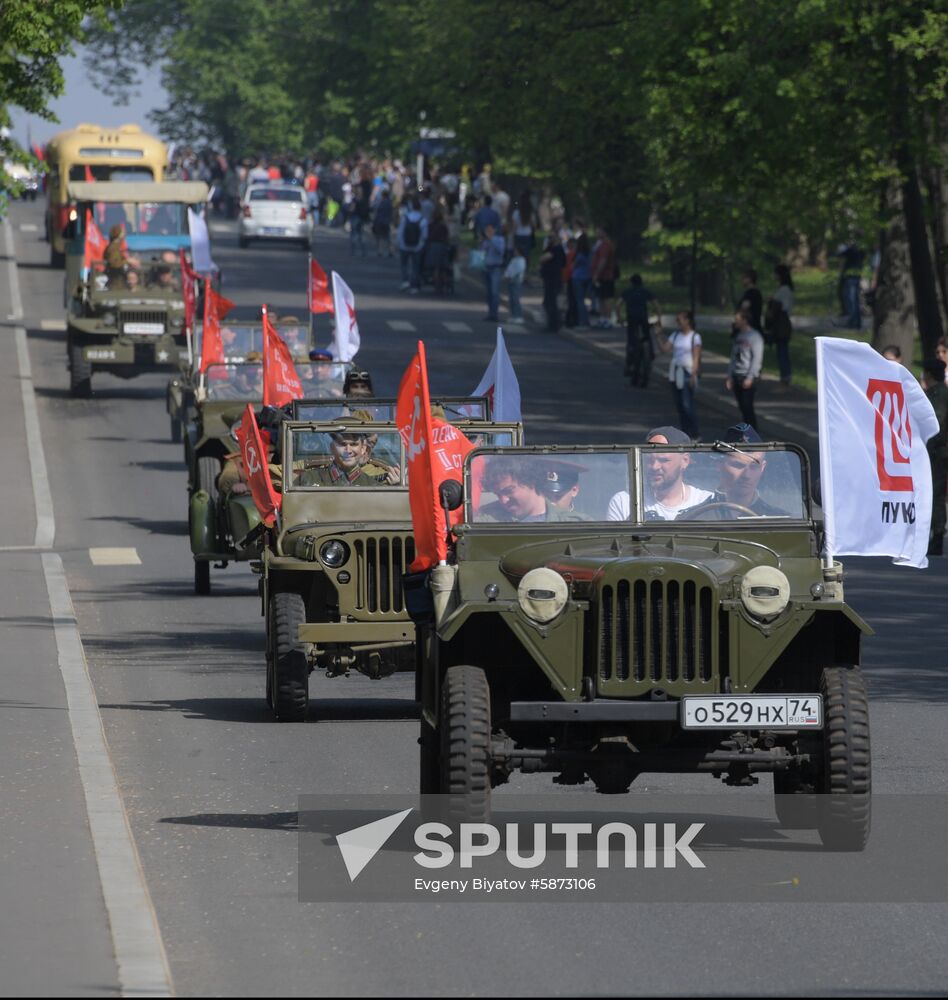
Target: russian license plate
{"points": [[274, 231], [752, 711], [158, 328]]}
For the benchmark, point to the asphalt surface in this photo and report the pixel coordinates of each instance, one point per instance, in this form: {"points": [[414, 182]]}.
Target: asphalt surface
{"points": [[210, 783]]}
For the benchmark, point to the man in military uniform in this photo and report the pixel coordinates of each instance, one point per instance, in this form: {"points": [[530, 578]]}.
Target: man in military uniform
{"points": [[116, 258], [518, 482], [933, 382], [348, 464], [561, 486]]}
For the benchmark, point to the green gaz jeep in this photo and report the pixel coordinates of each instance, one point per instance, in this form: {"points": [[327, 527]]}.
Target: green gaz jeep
{"points": [[130, 321], [331, 583], [666, 611], [222, 522]]}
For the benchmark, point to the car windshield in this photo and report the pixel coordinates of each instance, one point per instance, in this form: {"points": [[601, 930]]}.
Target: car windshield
{"points": [[733, 483], [276, 194], [322, 379], [330, 410], [141, 219], [525, 487], [239, 339], [235, 381], [152, 272], [344, 457]]}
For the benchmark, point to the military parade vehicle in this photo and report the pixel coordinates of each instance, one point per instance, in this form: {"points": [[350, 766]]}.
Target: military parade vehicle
{"points": [[599, 640], [127, 321], [332, 578], [240, 339], [221, 522]]}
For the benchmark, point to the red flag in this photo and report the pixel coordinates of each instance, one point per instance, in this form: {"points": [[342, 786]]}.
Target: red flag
{"points": [[89, 176], [434, 452], [281, 384], [320, 297], [216, 307], [254, 454], [95, 242]]}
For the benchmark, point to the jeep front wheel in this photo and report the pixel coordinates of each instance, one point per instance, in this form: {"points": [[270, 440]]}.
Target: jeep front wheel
{"points": [[464, 731], [846, 775], [80, 374], [289, 680]]}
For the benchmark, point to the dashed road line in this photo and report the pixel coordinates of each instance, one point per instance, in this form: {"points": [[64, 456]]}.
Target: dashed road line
{"points": [[402, 325], [114, 557], [28, 227], [52, 324], [455, 326]]}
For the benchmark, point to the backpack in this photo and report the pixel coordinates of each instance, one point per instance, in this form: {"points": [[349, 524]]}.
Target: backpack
{"points": [[412, 235]]}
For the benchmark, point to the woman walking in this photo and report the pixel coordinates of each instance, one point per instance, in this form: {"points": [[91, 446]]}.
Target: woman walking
{"points": [[777, 320], [581, 280], [684, 367]]}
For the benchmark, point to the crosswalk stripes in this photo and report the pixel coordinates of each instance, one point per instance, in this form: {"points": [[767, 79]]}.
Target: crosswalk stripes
{"points": [[402, 325], [455, 326]]}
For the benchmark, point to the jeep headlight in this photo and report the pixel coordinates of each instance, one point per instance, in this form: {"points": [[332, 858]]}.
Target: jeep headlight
{"points": [[334, 553], [108, 319], [765, 592], [542, 594]]}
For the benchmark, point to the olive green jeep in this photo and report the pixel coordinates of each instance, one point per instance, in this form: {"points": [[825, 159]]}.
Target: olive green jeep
{"points": [[613, 611], [331, 586]]}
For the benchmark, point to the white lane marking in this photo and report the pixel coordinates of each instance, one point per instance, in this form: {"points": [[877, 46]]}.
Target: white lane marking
{"points": [[42, 495], [402, 325], [28, 227], [136, 939], [139, 953], [114, 557], [453, 326], [12, 277], [52, 324]]}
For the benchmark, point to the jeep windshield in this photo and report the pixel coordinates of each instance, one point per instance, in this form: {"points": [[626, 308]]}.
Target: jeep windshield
{"points": [[383, 409], [141, 218], [241, 338], [745, 483], [343, 457]]}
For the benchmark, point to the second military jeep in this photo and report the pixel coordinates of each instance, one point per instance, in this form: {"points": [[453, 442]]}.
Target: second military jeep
{"points": [[332, 592], [672, 614]]}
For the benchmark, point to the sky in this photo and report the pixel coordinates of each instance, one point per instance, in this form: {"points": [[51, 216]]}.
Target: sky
{"points": [[81, 102]]}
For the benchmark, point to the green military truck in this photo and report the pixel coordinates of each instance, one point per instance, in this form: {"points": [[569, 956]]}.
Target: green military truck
{"points": [[127, 321], [331, 587], [673, 616]]}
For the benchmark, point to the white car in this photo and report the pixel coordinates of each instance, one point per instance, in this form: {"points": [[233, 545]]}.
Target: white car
{"points": [[275, 212]]}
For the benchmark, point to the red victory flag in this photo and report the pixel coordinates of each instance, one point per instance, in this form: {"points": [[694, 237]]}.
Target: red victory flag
{"points": [[281, 384], [434, 451], [95, 242], [253, 451], [216, 307], [320, 297]]}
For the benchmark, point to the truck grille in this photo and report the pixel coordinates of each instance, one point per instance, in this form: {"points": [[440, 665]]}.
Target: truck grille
{"points": [[655, 633], [380, 563], [142, 316]]}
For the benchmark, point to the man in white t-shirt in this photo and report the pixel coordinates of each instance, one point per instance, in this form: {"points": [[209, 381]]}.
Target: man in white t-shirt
{"points": [[666, 493]]}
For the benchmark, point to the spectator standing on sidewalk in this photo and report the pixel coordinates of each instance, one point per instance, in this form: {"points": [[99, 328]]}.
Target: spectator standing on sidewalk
{"points": [[933, 382], [514, 273], [552, 263], [743, 370], [357, 220], [494, 251], [582, 280], [850, 276], [522, 224], [411, 238], [777, 320], [571, 313], [382, 223], [486, 216], [751, 298], [684, 368], [501, 206], [604, 276], [437, 254], [634, 307]]}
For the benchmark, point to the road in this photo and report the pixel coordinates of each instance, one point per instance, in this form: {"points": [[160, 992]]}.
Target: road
{"points": [[210, 784]]}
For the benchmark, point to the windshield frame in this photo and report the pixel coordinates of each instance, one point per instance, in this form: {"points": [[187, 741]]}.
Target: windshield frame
{"points": [[637, 519]]}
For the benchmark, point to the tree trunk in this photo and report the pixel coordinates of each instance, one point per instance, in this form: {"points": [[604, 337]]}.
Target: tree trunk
{"points": [[924, 282], [894, 308]]}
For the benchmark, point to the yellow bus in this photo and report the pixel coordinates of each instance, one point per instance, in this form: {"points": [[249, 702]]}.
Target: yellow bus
{"points": [[90, 152]]}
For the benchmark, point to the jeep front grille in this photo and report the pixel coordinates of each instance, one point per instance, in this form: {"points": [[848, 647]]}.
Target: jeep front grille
{"points": [[655, 633], [380, 563], [141, 316]]}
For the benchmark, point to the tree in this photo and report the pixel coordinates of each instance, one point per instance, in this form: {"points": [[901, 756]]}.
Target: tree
{"points": [[34, 36]]}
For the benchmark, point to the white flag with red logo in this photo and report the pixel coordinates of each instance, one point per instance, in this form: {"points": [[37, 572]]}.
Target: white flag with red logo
{"points": [[346, 341], [500, 385], [875, 472]]}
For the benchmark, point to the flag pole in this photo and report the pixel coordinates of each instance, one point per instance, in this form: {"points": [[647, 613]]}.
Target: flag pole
{"points": [[309, 296]]}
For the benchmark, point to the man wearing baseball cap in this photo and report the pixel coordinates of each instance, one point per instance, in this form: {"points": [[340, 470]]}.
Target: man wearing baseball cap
{"points": [[666, 494]]}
